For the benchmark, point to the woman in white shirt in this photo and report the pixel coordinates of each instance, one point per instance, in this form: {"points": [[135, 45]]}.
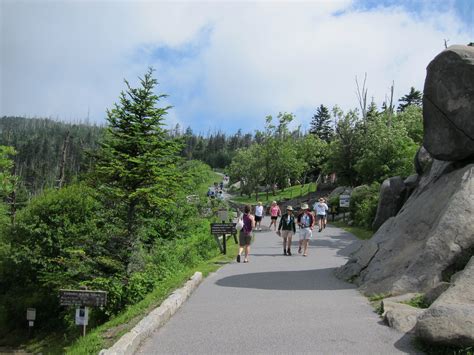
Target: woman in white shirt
{"points": [[258, 216]]}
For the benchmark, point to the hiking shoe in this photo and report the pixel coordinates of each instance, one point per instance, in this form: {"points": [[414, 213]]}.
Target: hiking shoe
{"points": [[238, 258], [288, 252]]}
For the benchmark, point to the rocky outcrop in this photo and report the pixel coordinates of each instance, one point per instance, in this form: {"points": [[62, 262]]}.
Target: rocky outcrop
{"points": [[401, 316], [392, 193], [413, 251], [422, 161], [450, 319], [448, 105]]}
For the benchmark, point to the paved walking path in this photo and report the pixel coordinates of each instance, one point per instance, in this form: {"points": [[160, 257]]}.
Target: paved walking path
{"points": [[279, 304]]}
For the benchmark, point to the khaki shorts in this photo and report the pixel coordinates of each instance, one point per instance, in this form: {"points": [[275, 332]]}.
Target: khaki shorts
{"points": [[286, 234], [306, 233]]}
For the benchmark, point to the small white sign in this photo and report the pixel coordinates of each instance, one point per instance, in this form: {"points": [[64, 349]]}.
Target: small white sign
{"points": [[82, 316], [222, 215], [31, 314], [344, 200]]}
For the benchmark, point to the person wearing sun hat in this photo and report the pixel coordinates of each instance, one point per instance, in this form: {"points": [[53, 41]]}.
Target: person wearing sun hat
{"points": [[321, 208], [286, 229], [306, 222]]}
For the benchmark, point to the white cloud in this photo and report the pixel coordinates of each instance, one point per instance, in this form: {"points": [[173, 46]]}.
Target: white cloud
{"points": [[61, 59]]}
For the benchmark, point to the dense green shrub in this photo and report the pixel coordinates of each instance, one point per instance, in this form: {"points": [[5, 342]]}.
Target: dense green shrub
{"points": [[363, 205], [60, 239]]}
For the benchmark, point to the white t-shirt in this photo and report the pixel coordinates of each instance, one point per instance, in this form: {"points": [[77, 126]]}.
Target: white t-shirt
{"points": [[259, 211], [320, 208]]}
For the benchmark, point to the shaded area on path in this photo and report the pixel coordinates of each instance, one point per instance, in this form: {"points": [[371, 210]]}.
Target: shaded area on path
{"points": [[287, 280]]}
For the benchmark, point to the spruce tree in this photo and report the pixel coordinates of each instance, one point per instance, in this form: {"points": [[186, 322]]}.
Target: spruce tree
{"points": [[320, 124], [414, 97], [136, 164]]}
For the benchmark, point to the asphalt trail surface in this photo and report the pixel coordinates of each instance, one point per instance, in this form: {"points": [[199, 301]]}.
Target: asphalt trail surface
{"points": [[278, 304]]}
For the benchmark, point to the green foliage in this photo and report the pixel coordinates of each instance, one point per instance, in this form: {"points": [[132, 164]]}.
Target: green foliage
{"points": [[413, 98], [387, 151], [412, 119], [344, 148], [419, 301], [363, 205], [321, 124], [136, 168]]}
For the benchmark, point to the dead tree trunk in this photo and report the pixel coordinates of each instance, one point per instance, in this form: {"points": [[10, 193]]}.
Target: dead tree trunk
{"points": [[62, 165]]}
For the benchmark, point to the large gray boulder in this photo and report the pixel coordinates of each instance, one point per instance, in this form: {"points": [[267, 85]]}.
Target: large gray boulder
{"points": [[448, 104], [450, 319], [416, 250], [392, 196]]}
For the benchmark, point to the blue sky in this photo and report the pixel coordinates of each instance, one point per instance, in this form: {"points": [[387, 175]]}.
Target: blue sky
{"points": [[225, 65]]}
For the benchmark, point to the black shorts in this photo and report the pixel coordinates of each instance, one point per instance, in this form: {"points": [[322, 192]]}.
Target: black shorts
{"points": [[274, 218], [258, 218]]}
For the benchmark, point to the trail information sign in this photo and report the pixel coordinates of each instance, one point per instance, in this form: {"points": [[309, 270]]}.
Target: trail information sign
{"points": [[82, 298], [344, 200], [223, 228]]}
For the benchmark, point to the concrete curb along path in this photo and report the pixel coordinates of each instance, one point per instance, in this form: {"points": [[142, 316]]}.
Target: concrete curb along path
{"points": [[129, 343]]}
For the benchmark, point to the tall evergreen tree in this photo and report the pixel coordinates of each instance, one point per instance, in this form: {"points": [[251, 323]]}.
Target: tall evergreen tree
{"points": [[135, 166], [414, 97], [320, 124]]}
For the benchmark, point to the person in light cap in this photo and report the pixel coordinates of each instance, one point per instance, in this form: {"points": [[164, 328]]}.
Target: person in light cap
{"points": [[306, 222], [286, 229]]}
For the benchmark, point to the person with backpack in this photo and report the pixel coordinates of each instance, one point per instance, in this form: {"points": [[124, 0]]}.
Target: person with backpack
{"points": [[286, 229], [245, 235], [305, 221]]}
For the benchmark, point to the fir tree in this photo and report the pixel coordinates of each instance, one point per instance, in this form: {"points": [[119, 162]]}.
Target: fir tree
{"points": [[414, 97], [135, 166], [320, 124]]}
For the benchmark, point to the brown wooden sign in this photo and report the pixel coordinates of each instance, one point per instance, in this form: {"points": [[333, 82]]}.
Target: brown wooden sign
{"points": [[82, 298], [223, 228]]}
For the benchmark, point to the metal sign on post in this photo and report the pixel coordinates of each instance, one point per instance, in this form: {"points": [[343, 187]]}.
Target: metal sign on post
{"points": [[222, 215], [82, 298], [82, 318], [222, 229], [344, 200]]}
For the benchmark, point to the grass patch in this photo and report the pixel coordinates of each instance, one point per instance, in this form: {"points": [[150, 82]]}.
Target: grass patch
{"points": [[418, 301], [359, 232], [288, 193]]}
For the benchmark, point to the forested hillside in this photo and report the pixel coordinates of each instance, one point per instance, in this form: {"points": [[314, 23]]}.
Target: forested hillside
{"points": [[45, 147]]}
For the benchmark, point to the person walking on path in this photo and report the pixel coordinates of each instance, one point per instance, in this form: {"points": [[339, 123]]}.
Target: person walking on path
{"points": [[245, 236], [306, 222], [286, 229], [321, 208], [258, 216], [275, 212]]}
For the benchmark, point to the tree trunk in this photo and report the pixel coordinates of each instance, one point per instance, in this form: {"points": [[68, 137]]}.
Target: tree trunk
{"points": [[62, 164]]}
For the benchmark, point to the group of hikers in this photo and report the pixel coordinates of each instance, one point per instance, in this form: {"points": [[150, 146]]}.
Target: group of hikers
{"points": [[286, 229]]}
